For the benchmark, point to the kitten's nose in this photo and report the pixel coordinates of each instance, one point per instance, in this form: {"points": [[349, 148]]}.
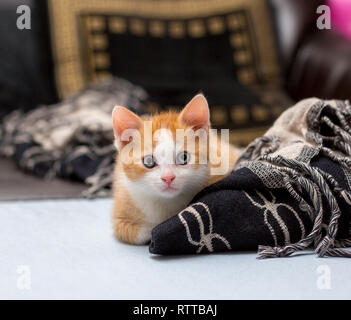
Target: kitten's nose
{"points": [[168, 178]]}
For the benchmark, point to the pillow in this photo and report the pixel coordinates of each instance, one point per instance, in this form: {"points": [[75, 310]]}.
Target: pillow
{"points": [[175, 49]]}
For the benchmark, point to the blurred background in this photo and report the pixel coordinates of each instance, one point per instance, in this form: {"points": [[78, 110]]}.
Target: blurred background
{"points": [[60, 79]]}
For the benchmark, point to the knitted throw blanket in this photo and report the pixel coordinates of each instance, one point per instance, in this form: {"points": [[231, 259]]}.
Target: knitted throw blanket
{"points": [[291, 190], [74, 138]]}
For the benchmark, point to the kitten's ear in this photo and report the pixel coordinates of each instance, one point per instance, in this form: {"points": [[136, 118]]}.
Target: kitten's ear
{"points": [[124, 119], [196, 113]]}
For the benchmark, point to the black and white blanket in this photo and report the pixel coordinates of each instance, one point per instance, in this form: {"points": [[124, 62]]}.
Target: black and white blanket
{"points": [[291, 190], [74, 138]]}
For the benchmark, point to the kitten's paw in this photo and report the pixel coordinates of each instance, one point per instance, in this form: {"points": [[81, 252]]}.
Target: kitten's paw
{"points": [[132, 233], [144, 235]]}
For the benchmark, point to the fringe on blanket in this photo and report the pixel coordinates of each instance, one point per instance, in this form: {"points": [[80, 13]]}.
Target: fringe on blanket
{"points": [[301, 178]]}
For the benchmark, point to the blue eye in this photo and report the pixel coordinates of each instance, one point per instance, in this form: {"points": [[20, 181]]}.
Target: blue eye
{"points": [[149, 161], [183, 158]]}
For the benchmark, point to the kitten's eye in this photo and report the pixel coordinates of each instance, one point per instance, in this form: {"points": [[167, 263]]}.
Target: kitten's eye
{"points": [[183, 158], [149, 161]]}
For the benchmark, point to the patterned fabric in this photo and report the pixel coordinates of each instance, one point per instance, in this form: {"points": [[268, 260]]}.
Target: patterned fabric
{"points": [[175, 49], [291, 190], [74, 138], [112, 31]]}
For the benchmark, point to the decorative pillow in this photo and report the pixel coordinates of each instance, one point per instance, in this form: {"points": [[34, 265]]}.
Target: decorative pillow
{"points": [[175, 49]]}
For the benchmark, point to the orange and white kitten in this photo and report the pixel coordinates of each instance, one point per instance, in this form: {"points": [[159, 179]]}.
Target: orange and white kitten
{"points": [[165, 175]]}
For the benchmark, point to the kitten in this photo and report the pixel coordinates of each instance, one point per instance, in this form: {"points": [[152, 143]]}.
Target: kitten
{"points": [[163, 178]]}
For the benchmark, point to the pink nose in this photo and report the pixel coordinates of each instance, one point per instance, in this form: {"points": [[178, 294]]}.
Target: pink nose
{"points": [[168, 178]]}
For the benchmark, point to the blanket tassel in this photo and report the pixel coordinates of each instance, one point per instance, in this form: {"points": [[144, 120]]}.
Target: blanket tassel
{"points": [[265, 252]]}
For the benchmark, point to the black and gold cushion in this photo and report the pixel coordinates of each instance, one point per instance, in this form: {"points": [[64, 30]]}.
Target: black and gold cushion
{"points": [[174, 49]]}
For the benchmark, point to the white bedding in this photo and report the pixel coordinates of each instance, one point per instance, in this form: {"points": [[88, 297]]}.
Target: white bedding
{"points": [[66, 249]]}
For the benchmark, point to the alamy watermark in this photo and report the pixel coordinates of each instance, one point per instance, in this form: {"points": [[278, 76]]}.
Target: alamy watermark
{"points": [[24, 278], [202, 147], [324, 278], [24, 19], [324, 20]]}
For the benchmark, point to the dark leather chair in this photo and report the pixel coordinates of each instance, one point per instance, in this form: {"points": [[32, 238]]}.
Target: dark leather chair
{"points": [[26, 73], [316, 62]]}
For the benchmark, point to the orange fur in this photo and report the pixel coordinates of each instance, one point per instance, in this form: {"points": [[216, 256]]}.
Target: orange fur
{"points": [[131, 224], [127, 218]]}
